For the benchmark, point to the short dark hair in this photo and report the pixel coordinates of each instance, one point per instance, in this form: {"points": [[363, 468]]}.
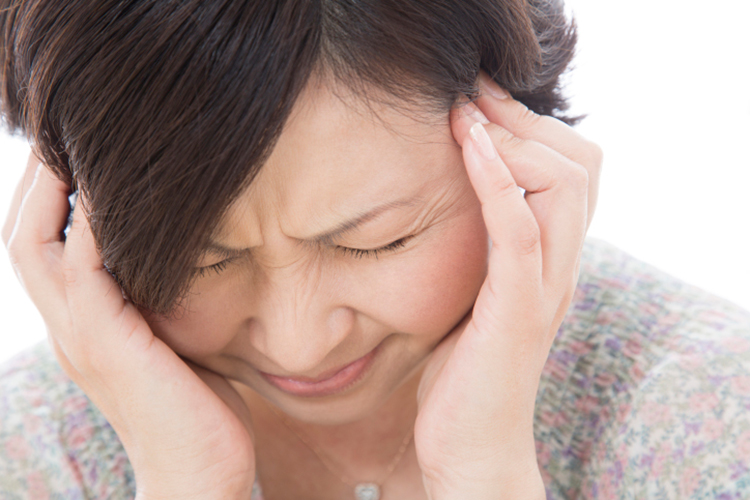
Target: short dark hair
{"points": [[163, 111]]}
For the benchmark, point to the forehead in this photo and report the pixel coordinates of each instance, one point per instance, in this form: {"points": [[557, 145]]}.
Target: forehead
{"points": [[336, 157]]}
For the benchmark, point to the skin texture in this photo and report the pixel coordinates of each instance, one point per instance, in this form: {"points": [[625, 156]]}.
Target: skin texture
{"points": [[294, 308], [463, 329]]}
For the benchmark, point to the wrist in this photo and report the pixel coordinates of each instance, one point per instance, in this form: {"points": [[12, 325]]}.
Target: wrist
{"points": [[524, 484], [532, 491], [228, 491], [226, 495]]}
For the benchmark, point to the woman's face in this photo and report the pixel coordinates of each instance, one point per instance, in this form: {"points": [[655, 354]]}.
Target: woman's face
{"points": [[299, 301]]}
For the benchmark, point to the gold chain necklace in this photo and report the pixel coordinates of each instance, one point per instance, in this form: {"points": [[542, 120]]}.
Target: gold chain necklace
{"points": [[362, 491]]}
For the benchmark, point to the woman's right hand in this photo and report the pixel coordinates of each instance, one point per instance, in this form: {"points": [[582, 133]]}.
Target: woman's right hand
{"points": [[186, 431]]}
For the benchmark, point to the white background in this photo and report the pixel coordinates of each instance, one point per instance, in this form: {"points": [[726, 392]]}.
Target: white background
{"points": [[666, 85]]}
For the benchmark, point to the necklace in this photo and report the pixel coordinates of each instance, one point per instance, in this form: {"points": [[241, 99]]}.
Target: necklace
{"points": [[362, 491]]}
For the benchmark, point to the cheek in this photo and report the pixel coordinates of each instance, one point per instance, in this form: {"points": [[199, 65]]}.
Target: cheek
{"points": [[426, 292], [433, 289], [204, 327]]}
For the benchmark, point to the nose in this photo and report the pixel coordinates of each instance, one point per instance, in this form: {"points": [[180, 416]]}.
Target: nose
{"points": [[299, 320]]}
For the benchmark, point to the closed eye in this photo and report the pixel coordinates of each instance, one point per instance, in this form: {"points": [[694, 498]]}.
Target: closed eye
{"points": [[215, 268], [374, 252], [353, 252]]}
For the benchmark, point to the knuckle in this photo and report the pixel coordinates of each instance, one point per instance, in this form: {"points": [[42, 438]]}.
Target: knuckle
{"points": [[15, 255], [594, 154], [504, 140], [579, 177], [17, 258], [571, 175], [526, 119], [69, 274], [529, 237], [502, 188]]}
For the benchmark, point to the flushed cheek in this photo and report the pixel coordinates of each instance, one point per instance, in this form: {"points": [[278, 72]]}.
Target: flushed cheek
{"points": [[206, 326], [432, 290], [425, 292]]}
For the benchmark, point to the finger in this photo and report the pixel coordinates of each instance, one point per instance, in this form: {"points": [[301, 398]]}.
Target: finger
{"points": [[127, 369], [556, 192], [108, 343], [35, 247], [87, 282], [21, 189], [510, 223], [522, 122], [44, 210]]}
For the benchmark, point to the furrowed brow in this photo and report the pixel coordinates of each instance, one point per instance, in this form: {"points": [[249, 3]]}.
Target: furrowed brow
{"points": [[326, 237], [329, 236]]}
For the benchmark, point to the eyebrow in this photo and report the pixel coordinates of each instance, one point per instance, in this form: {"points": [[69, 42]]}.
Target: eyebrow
{"points": [[327, 237]]}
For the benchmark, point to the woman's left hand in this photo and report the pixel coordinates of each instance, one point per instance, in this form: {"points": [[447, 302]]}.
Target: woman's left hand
{"points": [[474, 428]]}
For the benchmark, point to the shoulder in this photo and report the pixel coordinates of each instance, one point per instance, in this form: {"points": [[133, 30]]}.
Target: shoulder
{"points": [[54, 443], [647, 387]]}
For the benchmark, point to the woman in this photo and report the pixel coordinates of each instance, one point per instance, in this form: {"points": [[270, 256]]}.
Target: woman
{"points": [[295, 200]]}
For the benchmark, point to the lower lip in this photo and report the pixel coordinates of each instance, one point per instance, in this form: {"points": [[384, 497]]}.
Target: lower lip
{"points": [[347, 377]]}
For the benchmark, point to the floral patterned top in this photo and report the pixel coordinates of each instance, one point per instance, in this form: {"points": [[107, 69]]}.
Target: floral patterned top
{"points": [[646, 394]]}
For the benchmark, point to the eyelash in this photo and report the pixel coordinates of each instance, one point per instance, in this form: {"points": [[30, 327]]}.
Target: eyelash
{"points": [[359, 253], [216, 268], [353, 252]]}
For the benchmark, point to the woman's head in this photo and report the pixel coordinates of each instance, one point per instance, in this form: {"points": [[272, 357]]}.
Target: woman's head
{"points": [[353, 235], [263, 127], [163, 112]]}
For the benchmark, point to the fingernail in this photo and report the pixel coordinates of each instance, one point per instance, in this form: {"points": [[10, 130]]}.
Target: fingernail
{"points": [[482, 141], [472, 111], [492, 88]]}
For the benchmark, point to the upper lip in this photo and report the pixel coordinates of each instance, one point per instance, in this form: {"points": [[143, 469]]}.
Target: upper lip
{"points": [[321, 377]]}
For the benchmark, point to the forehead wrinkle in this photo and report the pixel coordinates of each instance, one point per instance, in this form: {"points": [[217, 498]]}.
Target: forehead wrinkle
{"points": [[405, 125], [348, 226], [329, 236]]}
